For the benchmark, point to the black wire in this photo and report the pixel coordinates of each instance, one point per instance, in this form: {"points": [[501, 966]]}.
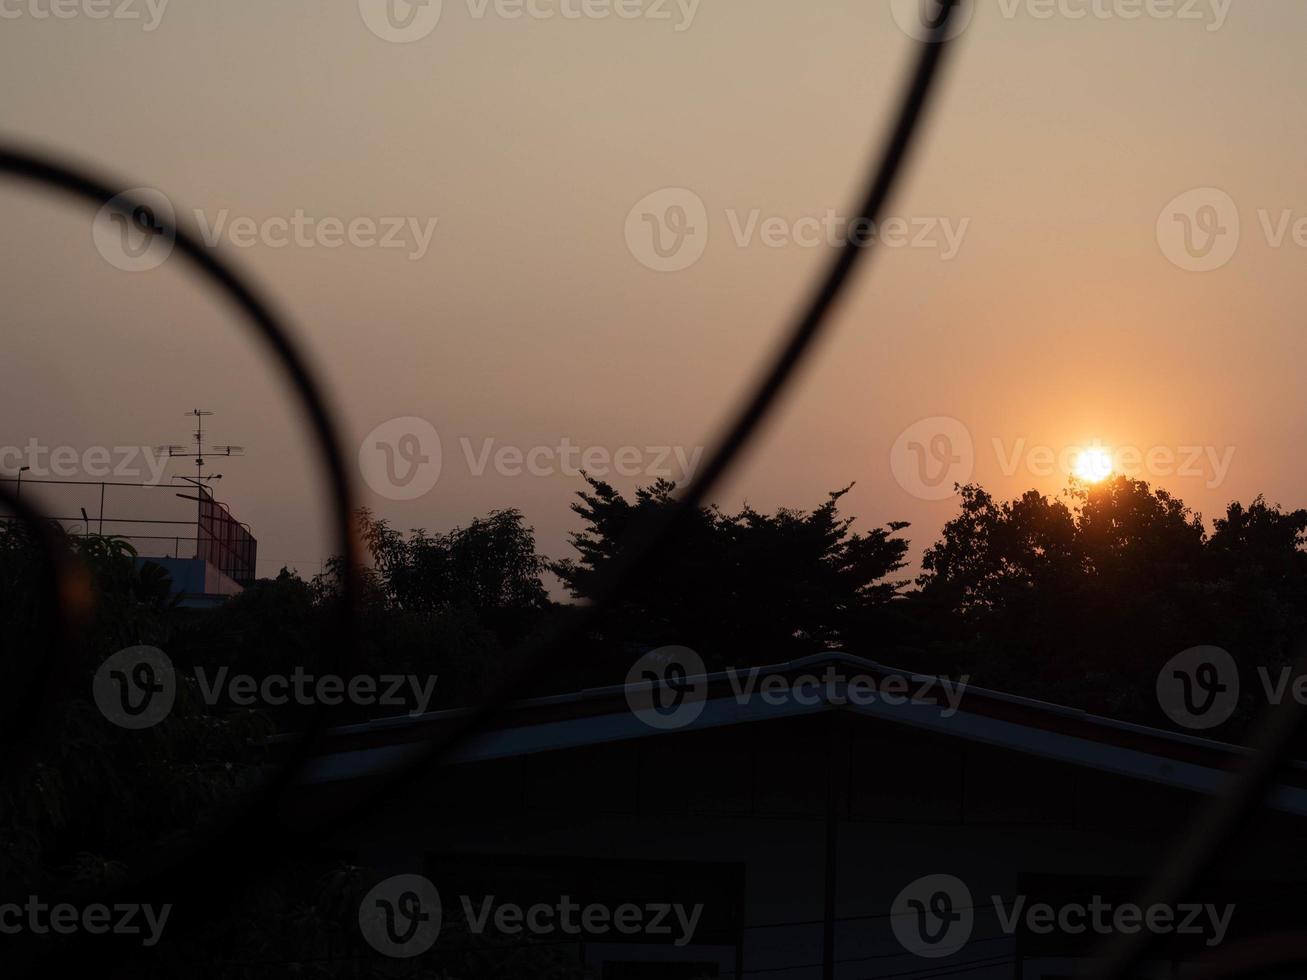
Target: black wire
{"points": [[210, 866], [1217, 823], [221, 861], [656, 527]]}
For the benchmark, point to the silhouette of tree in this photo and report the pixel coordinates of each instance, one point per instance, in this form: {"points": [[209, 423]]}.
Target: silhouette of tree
{"points": [[489, 567], [1256, 582], [738, 588], [1082, 600]]}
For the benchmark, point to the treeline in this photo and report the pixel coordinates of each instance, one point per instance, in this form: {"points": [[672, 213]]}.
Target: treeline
{"points": [[1078, 599]]}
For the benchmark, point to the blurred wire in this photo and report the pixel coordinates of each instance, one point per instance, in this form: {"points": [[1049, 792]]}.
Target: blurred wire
{"points": [[214, 862], [660, 525]]}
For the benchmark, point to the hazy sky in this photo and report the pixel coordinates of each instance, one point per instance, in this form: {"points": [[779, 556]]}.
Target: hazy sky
{"points": [[1039, 307]]}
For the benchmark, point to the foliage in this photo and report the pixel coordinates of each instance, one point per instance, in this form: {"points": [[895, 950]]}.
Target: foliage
{"points": [[1081, 601], [739, 588]]}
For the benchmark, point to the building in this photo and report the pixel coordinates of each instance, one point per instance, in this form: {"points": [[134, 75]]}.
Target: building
{"points": [[208, 553], [912, 835]]}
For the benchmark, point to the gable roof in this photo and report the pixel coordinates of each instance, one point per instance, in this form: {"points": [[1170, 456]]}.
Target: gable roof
{"points": [[597, 716]]}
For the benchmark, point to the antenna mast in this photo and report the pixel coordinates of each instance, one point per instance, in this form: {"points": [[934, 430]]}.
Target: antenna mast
{"points": [[201, 450], [200, 478]]}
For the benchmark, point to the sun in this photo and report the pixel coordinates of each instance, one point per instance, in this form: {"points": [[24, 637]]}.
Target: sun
{"points": [[1093, 465]]}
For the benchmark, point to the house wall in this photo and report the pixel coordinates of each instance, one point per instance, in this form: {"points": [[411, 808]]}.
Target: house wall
{"points": [[753, 799]]}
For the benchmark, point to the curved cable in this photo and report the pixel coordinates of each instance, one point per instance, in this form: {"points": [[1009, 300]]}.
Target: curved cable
{"points": [[217, 854], [652, 532]]}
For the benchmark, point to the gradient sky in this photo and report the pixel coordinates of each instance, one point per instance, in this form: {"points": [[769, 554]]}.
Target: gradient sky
{"points": [[528, 320]]}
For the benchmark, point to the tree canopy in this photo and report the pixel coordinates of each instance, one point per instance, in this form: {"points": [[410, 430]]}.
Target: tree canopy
{"points": [[743, 587], [1081, 600]]}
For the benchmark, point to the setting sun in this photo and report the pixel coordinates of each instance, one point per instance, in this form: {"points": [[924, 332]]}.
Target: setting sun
{"points": [[1093, 465]]}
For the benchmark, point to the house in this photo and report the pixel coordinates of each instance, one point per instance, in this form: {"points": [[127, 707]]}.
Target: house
{"points": [[829, 810]]}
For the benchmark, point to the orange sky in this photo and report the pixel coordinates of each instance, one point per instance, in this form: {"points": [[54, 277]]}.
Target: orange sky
{"points": [[1052, 317]]}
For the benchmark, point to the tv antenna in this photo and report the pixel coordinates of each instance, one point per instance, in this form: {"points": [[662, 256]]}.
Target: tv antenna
{"points": [[200, 450]]}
